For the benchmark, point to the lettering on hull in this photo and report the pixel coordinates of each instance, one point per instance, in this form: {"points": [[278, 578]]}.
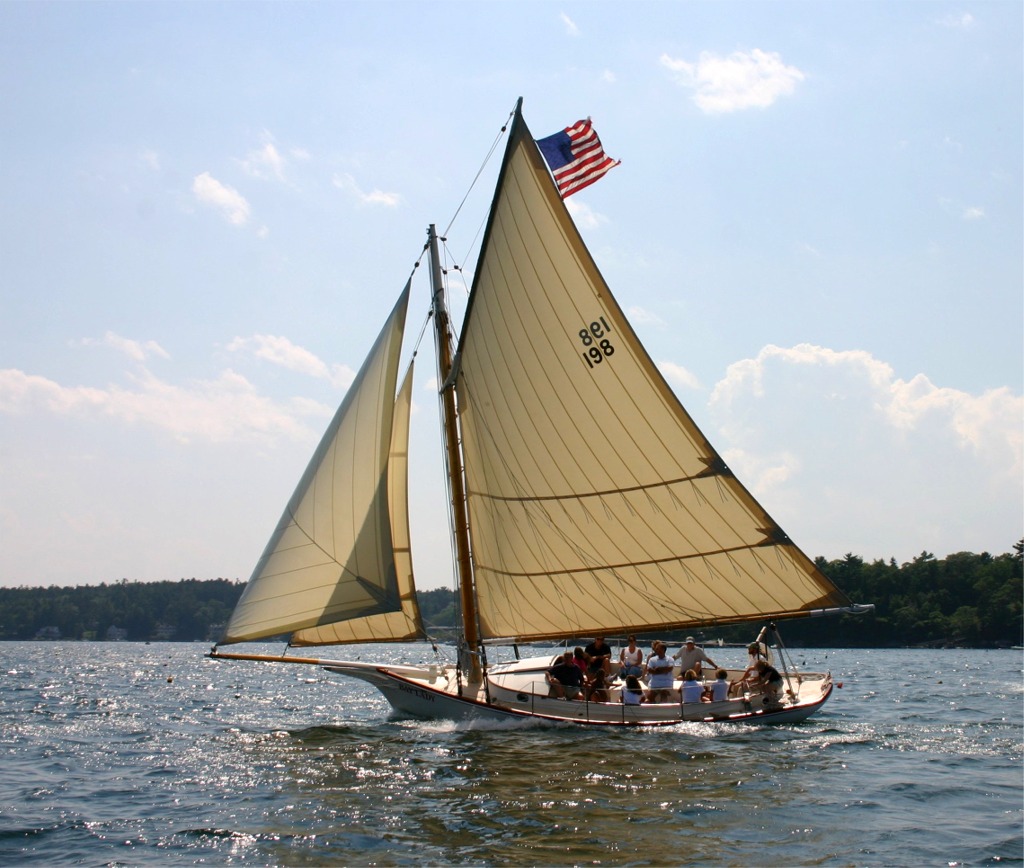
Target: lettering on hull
{"points": [[417, 692]]}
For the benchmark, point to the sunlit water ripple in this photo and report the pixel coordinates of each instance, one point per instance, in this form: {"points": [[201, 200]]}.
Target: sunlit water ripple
{"points": [[127, 754]]}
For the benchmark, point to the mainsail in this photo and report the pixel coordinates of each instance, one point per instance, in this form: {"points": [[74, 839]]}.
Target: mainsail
{"points": [[595, 503], [338, 553]]}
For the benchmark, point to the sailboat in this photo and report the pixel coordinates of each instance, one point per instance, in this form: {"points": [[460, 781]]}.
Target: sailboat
{"points": [[584, 501]]}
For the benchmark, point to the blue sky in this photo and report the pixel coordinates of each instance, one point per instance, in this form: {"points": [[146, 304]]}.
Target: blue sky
{"points": [[209, 209]]}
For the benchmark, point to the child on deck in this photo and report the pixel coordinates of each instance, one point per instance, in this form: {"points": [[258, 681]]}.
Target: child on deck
{"points": [[693, 690], [720, 689], [633, 692]]}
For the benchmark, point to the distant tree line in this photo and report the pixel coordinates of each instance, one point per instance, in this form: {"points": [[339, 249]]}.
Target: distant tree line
{"points": [[134, 611], [966, 600]]}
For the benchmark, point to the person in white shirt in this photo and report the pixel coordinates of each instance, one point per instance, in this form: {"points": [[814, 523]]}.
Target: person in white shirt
{"points": [[632, 692], [690, 657], [631, 660], [659, 675]]}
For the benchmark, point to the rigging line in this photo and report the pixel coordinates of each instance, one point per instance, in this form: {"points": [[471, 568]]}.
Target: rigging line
{"points": [[461, 267], [423, 330], [479, 172], [647, 562], [645, 487]]}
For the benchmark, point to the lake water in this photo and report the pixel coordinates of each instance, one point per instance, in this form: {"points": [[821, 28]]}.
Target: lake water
{"points": [[126, 754]]}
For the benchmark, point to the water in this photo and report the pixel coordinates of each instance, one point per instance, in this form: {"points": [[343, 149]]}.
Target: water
{"points": [[125, 754]]}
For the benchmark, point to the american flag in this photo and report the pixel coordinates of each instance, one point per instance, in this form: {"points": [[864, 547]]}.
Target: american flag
{"points": [[576, 157]]}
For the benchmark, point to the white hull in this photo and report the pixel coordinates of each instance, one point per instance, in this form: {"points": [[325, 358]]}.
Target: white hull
{"points": [[518, 692]]}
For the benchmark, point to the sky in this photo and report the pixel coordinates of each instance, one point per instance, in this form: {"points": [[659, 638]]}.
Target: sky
{"points": [[209, 209]]}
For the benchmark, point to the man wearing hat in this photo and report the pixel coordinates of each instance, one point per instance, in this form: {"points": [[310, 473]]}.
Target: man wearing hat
{"points": [[690, 657]]}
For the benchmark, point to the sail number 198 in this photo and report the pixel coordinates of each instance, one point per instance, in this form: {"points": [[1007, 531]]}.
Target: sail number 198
{"points": [[596, 343]]}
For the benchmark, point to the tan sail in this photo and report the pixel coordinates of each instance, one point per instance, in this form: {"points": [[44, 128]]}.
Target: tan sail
{"points": [[404, 625], [595, 503], [332, 557]]}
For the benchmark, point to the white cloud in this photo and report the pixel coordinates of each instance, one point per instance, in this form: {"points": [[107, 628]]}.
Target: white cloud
{"points": [[227, 200], [570, 26], [139, 351], [957, 209], [963, 21], [375, 197], [583, 215], [678, 375], [281, 351], [227, 409], [841, 449], [743, 80], [459, 281], [265, 163], [641, 316]]}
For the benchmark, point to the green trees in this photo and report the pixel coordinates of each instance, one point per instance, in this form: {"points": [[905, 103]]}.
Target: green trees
{"points": [[137, 611], [966, 599]]}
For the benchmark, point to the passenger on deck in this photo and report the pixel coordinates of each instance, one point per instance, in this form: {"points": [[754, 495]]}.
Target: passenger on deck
{"points": [[692, 690], [597, 688], [720, 689], [599, 656], [632, 692], [750, 675], [690, 657], [631, 660], [580, 659], [659, 675], [769, 680], [565, 678]]}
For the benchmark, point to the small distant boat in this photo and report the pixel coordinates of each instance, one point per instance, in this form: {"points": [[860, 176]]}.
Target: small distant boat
{"points": [[584, 500]]}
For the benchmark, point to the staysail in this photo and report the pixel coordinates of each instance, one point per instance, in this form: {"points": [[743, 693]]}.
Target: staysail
{"points": [[595, 503], [338, 554], [404, 625]]}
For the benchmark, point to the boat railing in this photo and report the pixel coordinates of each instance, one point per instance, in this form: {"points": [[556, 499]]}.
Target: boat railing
{"points": [[541, 690], [539, 697]]}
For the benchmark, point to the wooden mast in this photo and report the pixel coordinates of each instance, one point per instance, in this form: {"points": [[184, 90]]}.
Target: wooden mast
{"points": [[442, 332]]}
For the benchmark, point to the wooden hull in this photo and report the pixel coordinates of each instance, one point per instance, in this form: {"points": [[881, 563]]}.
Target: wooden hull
{"points": [[518, 692]]}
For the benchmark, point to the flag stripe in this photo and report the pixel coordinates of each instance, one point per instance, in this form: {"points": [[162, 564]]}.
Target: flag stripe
{"points": [[567, 189]]}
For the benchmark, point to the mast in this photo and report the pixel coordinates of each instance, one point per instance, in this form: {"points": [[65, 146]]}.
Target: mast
{"points": [[442, 331]]}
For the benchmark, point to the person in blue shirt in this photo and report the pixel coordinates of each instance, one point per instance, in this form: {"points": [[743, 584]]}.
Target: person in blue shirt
{"points": [[720, 689], [693, 690]]}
